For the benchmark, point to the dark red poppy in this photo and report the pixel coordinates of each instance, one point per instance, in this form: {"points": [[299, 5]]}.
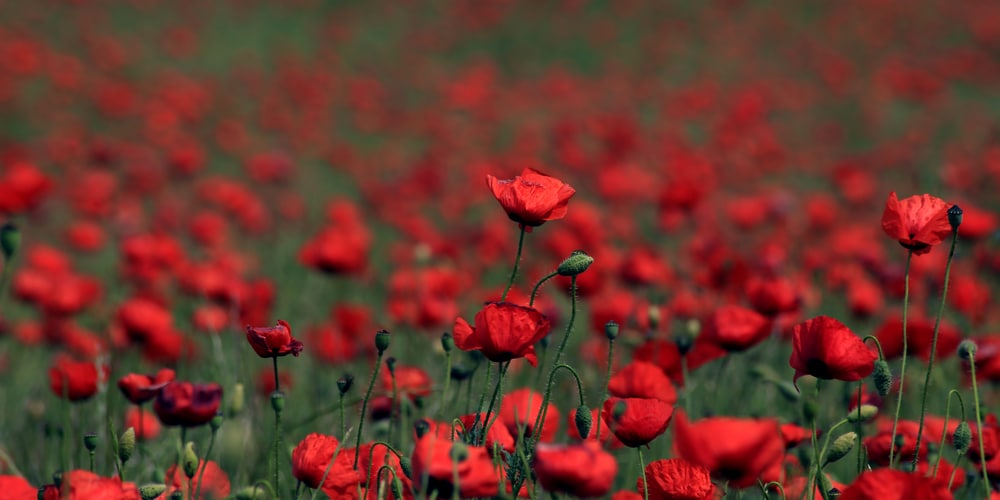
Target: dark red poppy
{"points": [[75, 380], [641, 420], [531, 198], [918, 222], [503, 332], [735, 328], [312, 456], [85, 485], [273, 341], [891, 484], [519, 410], [826, 349], [676, 479], [434, 460], [187, 404], [581, 470], [214, 480], [640, 379], [139, 388], [732, 449]]}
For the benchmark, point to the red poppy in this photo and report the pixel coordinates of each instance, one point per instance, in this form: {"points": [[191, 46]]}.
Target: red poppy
{"points": [[918, 222], [677, 479], [891, 484], [434, 460], [17, 488], [608, 438], [733, 449], [497, 433], [312, 456], [581, 470], [75, 380], [503, 332], [411, 382], [273, 341], [519, 410], [187, 404], [531, 198], [214, 481], [825, 348], [640, 379], [146, 430], [642, 420], [375, 456], [772, 296], [735, 328], [139, 388], [85, 485]]}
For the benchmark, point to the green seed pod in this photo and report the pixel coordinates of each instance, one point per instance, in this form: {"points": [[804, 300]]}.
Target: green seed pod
{"points": [[126, 444], [867, 413], [216, 422], [575, 264], [236, 401], [190, 462], [611, 330], [421, 427], [151, 491], [10, 240], [344, 383], [583, 420], [962, 438], [397, 487], [390, 363], [176, 495], [955, 217], [382, 338], [841, 447], [882, 376], [90, 441], [447, 342], [277, 401], [967, 350]]}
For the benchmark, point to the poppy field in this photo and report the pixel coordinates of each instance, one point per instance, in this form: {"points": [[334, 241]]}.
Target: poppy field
{"points": [[626, 249]]}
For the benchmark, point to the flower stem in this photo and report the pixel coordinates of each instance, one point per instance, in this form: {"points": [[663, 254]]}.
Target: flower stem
{"points": [[534, 291], [947, 415], [497, 394], [555, 364], [517, 261], [277, 385], [364, 406], [642, 470], [604, 390], [902, 369], [979, 424], [204, 465]]}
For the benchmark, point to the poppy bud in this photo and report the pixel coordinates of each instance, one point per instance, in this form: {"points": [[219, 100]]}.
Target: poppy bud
{"points": [[461, 372], [459, 451], [151, 491], [216, 422], [955, 217], [57, 478], [841, 447], [126, 444], [611, 330], [962, 438], [967, 350], [277, 401], [583, 421], [252, 493], [866, 413], [809, 409], [406, 466], [685, 337], [190, 462], [391, 365], [90, 441], [236, 401], [882, 376], [575, 264], [447, 342], [382, 340], [344, 383], [10, 240], [420, 428], [176, 495], [833, 493], [397, 487]]}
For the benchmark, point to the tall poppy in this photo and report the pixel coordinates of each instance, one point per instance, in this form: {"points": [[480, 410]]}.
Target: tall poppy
{"points": [[637, 421], [503, 332], [733, 449], [640, 379], [311, 458], [139, 388], [676, 479], [531, 198], [273, 341], [582, 470], [918, 222], [187, 404], [825, 348]]}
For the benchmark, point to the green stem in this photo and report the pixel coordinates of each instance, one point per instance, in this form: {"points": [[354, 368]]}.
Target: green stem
{"points": [[536, 431], [204, 465], [534, 291], [497, 394], [517, 261], [857, 430], [642, 470], [934, 341], [447, 382], [371, 454], [604, 391], [979, 424], [343, 421], [947, 415], [902, 369], [66, 408], [569, 325], [277, 446], [364, 406]]}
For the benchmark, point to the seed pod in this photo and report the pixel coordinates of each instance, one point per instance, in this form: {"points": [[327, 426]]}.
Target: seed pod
{"points": [[575, 264], [583, 420], [840, 447], [382, 338], [962, 438], [882, 376]]}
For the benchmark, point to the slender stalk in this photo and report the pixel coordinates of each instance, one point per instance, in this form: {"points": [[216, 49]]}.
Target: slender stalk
{"points": [[329, 466], [517, 262], [371, 454], [534, 291], [66, 408], [204, 465], [902, 369], [934, 341], [343, 421], [497, 394], [447, 382], [857, 430], [364, 406], [947, 415], [979, 423], [604, 390], [277, 444], [555, 365], [642, 467], [536, 431]]}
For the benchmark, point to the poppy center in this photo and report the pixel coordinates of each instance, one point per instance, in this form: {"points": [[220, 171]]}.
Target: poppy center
{"points": [[818, 368]]}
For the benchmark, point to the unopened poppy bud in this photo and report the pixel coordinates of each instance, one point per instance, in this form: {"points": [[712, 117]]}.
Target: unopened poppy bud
{"points": [[90, 441], [654, 316], [252, 493], [126, 444], [841, 447], [382, 339], [809, 409], [344, 383], [962, 438], [216, 422], [447, 342], [685, 337], [236, 400], [618, 410], [57, 478], [391, 365], [575, 264], [955, 217], [420, 428], [10, 240], [865, 413], [277, 401], [611, 330], [151, 491], [406, 466], [967, 350], [882, 376], [833, 493], [190, 462], [583, 421], [459, 451]]}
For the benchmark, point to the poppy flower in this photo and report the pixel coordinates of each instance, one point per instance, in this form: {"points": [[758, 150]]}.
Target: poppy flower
{"points": [[735, 328], [187, 404], [581, 470], [891, 484], [139, 388], [732, 449], [503, 332], [411, 382], [374, 456], [312, 456], [531, 198], [608, 438], [640, 379], [74, 380], [519, 410], [214, 481], [918, 222], [273, 341], [435, 460], [17, 488], [825, 348], [496, 433], [146, 426], [85, 485], [676, 479], [642, 420]]}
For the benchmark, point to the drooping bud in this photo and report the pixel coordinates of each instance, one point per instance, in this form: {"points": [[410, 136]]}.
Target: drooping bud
{"points": [[344, 383], [447, 342], [406, 466], [236, 401], [575, 264], [967, 350], [126, 444], [277, 401], [882, 376], [955, 217], [151, 491], [809, 409], [841, 447], [90, 441], [190, 462], [866, 412], [962, 438], [382, 338], [10, 240], [611, 330], [583, 420]]}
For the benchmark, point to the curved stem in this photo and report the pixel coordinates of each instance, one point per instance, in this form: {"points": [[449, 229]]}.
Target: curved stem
{"points": [[934, 341], [878, 345], [371, 453], [204, 465], [604, 392], [534, 291], [902, 370], [364, 405], [979, 424], [555, 364], [947, 415], [517, 262]]}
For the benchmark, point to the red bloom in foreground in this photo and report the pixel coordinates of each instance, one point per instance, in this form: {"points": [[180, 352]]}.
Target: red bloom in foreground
{"points": [[642, 420], [85, 485], [640, 379], [187, 404], [677, 479], [732, 449], [519, 409], [918, 222], [434, 460], [273, 341], [139, 388], [214, 481], [824, 348], [889, 484], [736, 328], [531, 198], [503, 332], [17, 488], [582, 470], [146, 426], [74, 380], [311, 457]]}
